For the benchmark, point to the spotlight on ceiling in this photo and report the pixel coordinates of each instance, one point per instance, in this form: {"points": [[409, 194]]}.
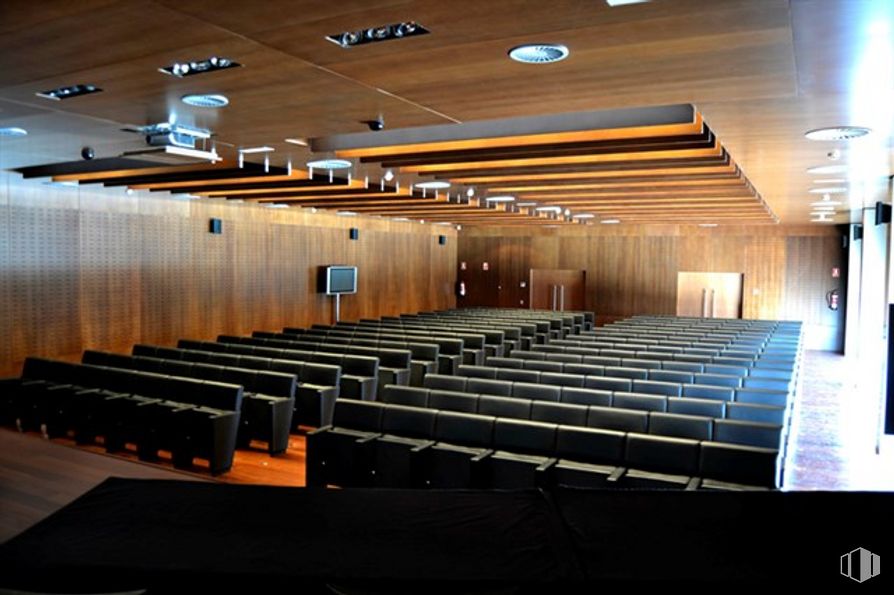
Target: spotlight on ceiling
{"points": [[614, 3], [610, 221], [539, 53], [584, 216], [350, 39], [249, 150], [834, 133], [329, 164], [205, 100], [707, 225], [389, 175], [828, 190], [549, 209], [181, 69], [526, 204], [297, 141], [500, 199], [69, 92], [13, 131], [470, 192]]}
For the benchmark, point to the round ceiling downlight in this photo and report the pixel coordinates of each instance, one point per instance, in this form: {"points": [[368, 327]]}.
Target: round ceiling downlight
{"points": [[205, 100], [539, 53], [837, 133], [13, 131], [329, 164]]}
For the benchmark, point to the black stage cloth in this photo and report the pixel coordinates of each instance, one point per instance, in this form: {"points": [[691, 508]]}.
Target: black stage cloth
{"points": [[167, 535]]}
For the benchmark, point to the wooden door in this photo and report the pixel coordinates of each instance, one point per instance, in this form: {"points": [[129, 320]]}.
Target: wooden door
{"points": [[709, 295], [557, 289]]}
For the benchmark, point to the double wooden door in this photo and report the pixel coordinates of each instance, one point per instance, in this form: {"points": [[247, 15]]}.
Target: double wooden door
{"points": [[557, 289], [709, 295]]}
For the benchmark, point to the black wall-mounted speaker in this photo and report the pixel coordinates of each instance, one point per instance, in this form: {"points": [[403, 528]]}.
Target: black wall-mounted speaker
{"points": [[354, 233], [858, 232], [882, 213], [442, 240], [215, 226]]}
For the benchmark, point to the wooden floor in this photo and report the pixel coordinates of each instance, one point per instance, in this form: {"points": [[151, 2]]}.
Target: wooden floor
{"points": [[832, 447]]}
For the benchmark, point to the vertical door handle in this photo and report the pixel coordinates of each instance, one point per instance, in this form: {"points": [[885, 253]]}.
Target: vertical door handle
{"points": [[704, 302], [555, 296], [562, 298], [713, 303]]}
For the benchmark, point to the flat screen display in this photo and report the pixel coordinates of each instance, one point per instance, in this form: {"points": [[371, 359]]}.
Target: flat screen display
{"points": [[341, 280]]}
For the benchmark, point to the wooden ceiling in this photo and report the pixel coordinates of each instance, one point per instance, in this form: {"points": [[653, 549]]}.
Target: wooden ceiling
{"points": [[759, 72]]}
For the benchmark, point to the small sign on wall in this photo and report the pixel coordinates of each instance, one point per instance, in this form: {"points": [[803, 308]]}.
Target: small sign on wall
{"points": [[836, 272], [485, 266]]}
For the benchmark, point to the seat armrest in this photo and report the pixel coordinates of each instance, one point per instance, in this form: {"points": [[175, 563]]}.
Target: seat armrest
{"points": [[483, 456], [547, 465], [368, 439], [693, 484], [320, 430], [428, 444], [616, 474]]}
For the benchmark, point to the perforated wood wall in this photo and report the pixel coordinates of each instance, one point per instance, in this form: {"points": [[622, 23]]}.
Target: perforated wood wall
{"points": [[632, 269], [95, 268]]}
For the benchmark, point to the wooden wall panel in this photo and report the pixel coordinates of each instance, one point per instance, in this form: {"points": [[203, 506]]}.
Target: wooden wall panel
{"points": [[95, 268], [633, 269]]}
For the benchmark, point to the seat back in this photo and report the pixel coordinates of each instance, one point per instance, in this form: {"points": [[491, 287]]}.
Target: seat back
{"points": [[639, 401], [365, 416], [680, 425], [464, 429], [540, 392], [504, 407], [590, 445], [445, 382], [662, 453], [486, 386], [409, 422], [586, 396], [623, 420], [559, 413], [530, 437], [411, 396]]}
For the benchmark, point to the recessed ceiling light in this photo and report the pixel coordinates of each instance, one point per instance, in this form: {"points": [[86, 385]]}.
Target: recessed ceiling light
{"points": [[500, 199], [550, 209], [827, 169], [837, 133], [276, 205], [13, 131], [470, 192], [433, 185], [389, 175], [297, 141], [823, 203], [346, 213], [831, 181], [539, 53], [400, 219], [380, 33], [526, 204], [329, 164], [828, 190], [264, 149], [69, 92], [181, 69], [584, 216], [610, 221], [614, 3], [707, 225], [205, 100]]}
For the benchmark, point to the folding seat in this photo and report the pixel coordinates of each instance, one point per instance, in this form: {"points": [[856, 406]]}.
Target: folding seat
{"points": [[534, 391], [748, 433], [726, 370], [691, 406], [756, 412], [444, 382], [608, 383], [688, 367], [559, 413], [700, 391], [734, 361], [477, 371], [587, 457], [621, 372], [267, 411], [424, 360], [623, 420], [333, 453], [697, 427], [486, 386], [394, 365], [529, 355], [463, 441], [600, 360], [404, 430], [584, 369], [674, 376], [586, 396], [772, 364], [736, 467], [692, 358], [452, 401], [548, 349], [513, 375], [410, 396], [642, 402], [565, 358], [359, 376], [767, 383], [522, 451], [660, 462], [718, 380], [319, 385], [640, 364], [762, 396], [504, 407], [657, 387], [504, 362], [544, 366]]}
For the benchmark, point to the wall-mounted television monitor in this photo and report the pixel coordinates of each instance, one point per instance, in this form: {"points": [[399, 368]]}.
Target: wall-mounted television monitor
{"points": [[337, 279]]}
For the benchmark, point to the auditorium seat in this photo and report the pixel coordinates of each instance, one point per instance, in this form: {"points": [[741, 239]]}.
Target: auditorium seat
{"points": [[639, 401], [691, 406], [584, 369], [452, 401], [544, 366], [718, 380], [657, 387], [445, 382], [543, 392], [679, 425], [587, 457], [748, 433], [405, 430], [486, 386], [462, 441], [601, 360], [586, 396], [522, 451], [333, 454], [514, 375], [762, 396], [756, 412], [504, 407], [734, 466], [690, 367], [676, 376], [660, 462], [701, 391], [411, 396], [623, 420], [477, 371], [505, 362], [622, 372], [608, 383]]}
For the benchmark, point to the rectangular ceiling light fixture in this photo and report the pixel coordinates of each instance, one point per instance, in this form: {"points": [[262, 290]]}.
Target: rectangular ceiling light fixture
{"points": [[181, 69], [381, 33], [624, 2], [69, 92]]}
